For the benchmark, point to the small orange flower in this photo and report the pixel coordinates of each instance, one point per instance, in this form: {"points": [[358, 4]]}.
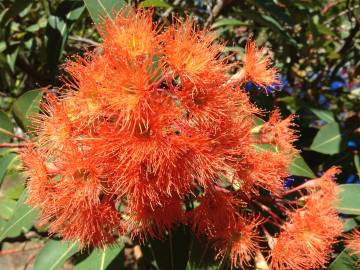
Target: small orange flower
{"points": [[352, 242], [279, 132], [92, 225], [146, 220], [306, 240], [131, 34], [215, 216], [54, 127], [35, 169], [257, 66], [193, 55], [243, 242]]}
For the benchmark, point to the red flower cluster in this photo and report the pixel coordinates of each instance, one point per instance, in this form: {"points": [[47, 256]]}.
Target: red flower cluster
{"points": [[151, 133]]}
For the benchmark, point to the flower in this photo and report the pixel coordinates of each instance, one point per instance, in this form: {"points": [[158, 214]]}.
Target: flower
{"points": [[148, 133], [306, 240], [257, 66], [131, 34], [242, 243], [352, 242], [193, 55], [214, 217], [279, 132]]}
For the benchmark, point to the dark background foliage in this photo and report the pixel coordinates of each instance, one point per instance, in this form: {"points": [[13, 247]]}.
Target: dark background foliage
{"points": [[315, 45]]}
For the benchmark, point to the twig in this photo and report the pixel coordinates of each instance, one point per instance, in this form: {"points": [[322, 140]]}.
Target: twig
{"points": [[16, 250], [170, 9], [84, 40], [6, 132], [11, 145], [341, 14], [216, 11]]}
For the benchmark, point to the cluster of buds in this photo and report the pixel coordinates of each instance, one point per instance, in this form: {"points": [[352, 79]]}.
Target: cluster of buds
{"points": [[151, 132]]}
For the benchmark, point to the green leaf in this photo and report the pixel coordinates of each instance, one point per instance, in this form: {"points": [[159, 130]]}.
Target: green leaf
{"points": [[100, 9], [265, 147], [14, 10], [275, 10], [343, 262], [154, 3], [5, 164], [54, 254], [357, 163], [300, 168], [100, 259], [227, 22], [6, 127], [328, 139], [349, 224], [327, 116], [324, 30], [25, 106], [58, 28], [22, 220], [349, 199], [7, 207], [272, 23]]}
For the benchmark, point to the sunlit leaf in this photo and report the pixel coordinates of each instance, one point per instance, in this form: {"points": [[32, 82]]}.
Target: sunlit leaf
{"points": [[328, 139], [100, 259], [100, 9], [349, 199], [25, 106], [300, 168], [155, 3], [54, 254], [22, 219], [5, 164]]}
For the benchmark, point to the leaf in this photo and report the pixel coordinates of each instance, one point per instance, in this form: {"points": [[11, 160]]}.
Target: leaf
{"points": [[357, 163], [328, 139], [7, 207], [58, 28], [258, 122], [56, 32], [270, 22], [100, 9], [227, 22], [327, 116], [100, 259], [300, 168], [5, 163], [154, 3], [15, 185], [265, 147], [343, 262], [54, 254], [22, 220], [6, 128], [324, 30], [275, 10], [349, 224], [349, 199], [25, 106], [14, 10]]}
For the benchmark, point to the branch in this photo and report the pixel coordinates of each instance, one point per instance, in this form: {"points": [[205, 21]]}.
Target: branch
{"points": [[84, 40], [216, 11]]}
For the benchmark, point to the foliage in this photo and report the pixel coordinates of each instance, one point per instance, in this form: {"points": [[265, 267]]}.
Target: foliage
{"points": [[316, 45]]}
